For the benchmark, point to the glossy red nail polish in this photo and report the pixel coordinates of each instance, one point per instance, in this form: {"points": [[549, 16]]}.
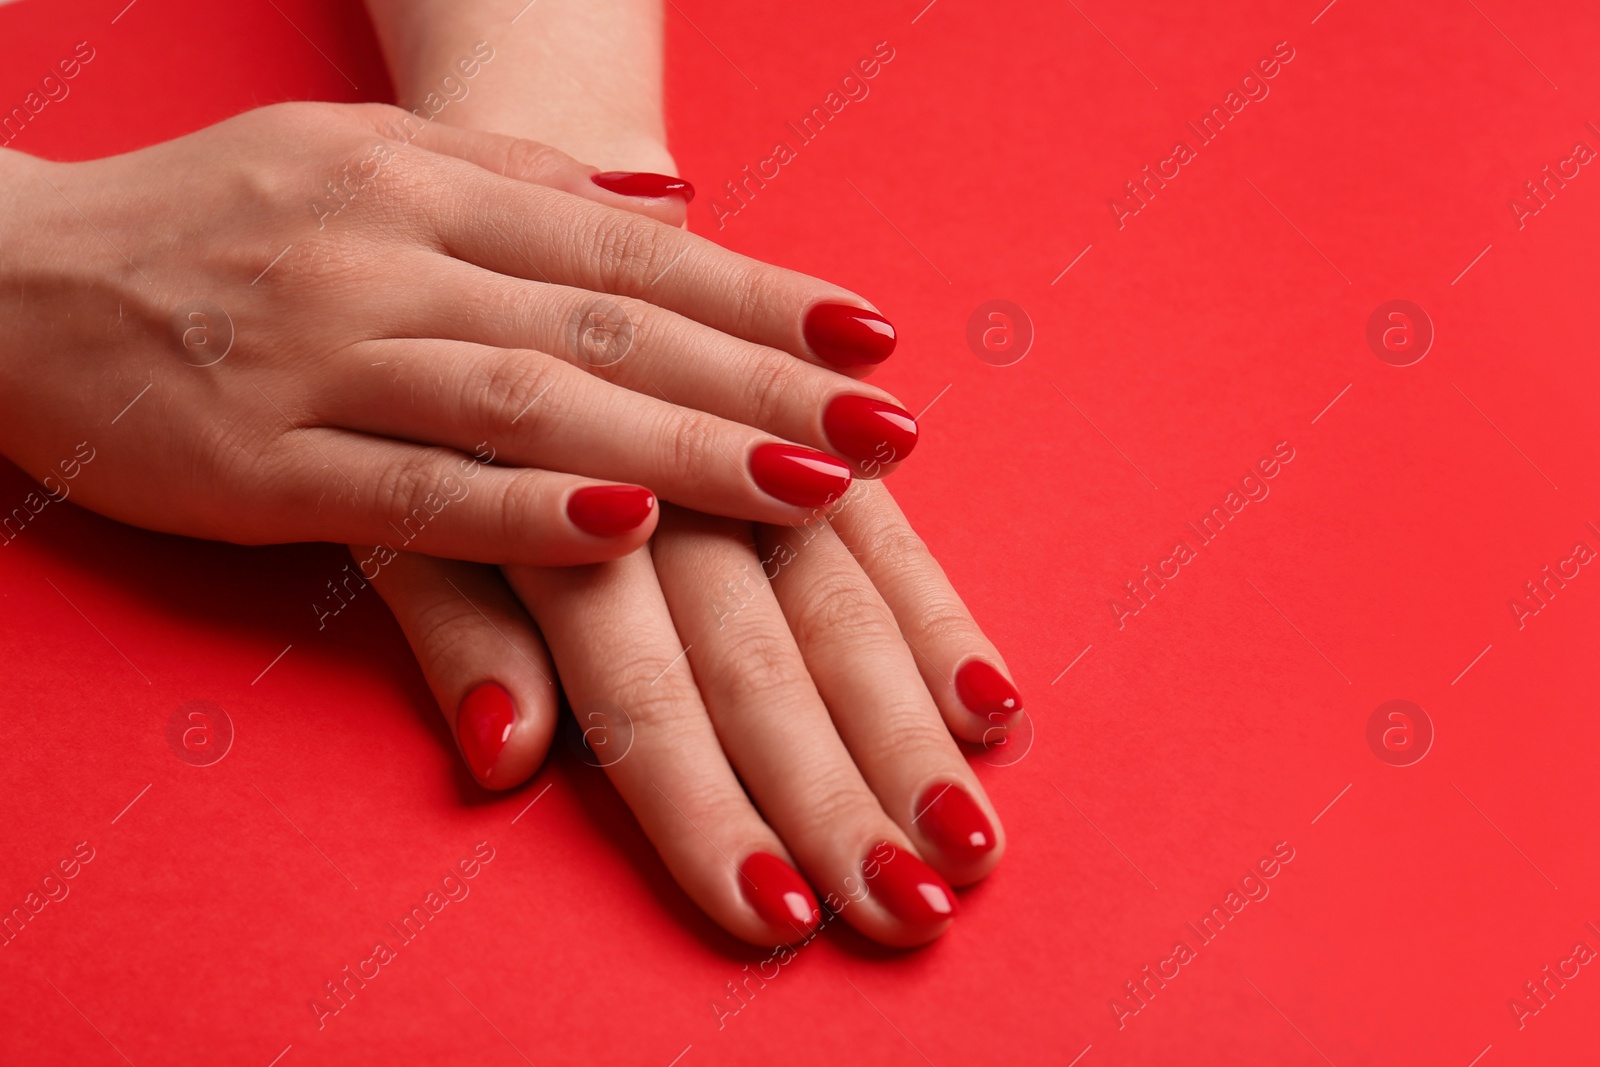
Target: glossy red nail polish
{"points": [[800, 476], [848, 336], [778, 893], [869, 431], [641, 183], [610, 510], [911, 890], [954, 822], [985, 691], [483, 723]]}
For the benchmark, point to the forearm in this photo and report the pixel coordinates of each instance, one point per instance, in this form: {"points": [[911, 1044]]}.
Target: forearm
{"points": [[584, 75]]}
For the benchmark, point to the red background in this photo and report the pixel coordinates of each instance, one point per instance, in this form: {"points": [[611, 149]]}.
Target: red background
{"points": [[1177, 751]]}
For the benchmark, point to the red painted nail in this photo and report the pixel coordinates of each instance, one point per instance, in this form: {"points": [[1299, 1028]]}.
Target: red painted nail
{"points": [[610, 510], [954, 822], [641, 183], [909, 888], [848, 336], [868, 430], [799, 476], [778, 893], [985, 691], [483, 723]]}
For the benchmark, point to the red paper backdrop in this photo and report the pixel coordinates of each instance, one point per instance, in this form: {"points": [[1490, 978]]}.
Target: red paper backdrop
{"points": [[1179, 749]]}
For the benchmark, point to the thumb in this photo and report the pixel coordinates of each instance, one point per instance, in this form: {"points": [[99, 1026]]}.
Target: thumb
{"points": [[483, 658]]}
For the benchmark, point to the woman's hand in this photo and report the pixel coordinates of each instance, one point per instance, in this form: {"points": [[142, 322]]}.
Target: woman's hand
{"points": [[765, 702], [336, 322]]}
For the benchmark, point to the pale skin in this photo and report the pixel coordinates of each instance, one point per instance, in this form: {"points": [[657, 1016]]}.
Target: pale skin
{"points": [[815, 707], [384, 323], [378, 347]]}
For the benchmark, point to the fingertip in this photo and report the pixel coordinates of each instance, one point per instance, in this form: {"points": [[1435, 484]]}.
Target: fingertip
{"points": [[778, 895], [662, 197], [504, 737], [623, 514]]}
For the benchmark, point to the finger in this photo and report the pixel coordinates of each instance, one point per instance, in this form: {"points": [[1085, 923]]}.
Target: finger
{"points": [[623, 671], [538, 411], [962, 668], [530, 231], [881, 708], [325, 484], [644, 348], [658, 196], [778, 735], [483, 659]]}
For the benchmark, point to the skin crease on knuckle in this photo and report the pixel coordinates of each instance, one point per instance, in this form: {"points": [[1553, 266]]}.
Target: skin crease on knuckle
{"points": [[628, 250], [687, 442], [757, 670], [410, 482], [838, 610], [770, 382], [835, 813], [516, 393]]}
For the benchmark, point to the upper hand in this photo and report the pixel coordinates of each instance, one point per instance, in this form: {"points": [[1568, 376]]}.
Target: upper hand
{"points": [[311, 323]]}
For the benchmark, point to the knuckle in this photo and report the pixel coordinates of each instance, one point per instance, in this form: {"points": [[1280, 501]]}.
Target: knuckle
{"points": [[893, 541], [761, 667], [944, 622], [529, 160], [691, 447], [771, 384], [405, 486], [910, 733], [837, 798], [628, 250], [445, 630], [655, 703], [756, 289], [709, 803], [511, 391], [842, 608], [523, 506]]}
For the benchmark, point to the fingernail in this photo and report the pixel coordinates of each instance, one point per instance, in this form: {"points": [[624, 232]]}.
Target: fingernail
{"points": [[985, 692], [954, 822], [610, 510], [642, 183], [777, 892], [848, 336], [803, 477], [869, 430], [909, 888], [483, 723]]}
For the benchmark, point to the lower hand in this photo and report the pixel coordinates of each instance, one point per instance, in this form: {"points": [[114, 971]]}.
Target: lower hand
{"points": [[809, 727]]}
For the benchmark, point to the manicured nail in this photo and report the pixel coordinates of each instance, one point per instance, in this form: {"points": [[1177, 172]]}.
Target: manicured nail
{"points": [[610, 510], [848, 336], [483, 723], [868, 430], [777, 892], [799, 476], [907, 887], [954, 822], [985, 691], [641, 183]]}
